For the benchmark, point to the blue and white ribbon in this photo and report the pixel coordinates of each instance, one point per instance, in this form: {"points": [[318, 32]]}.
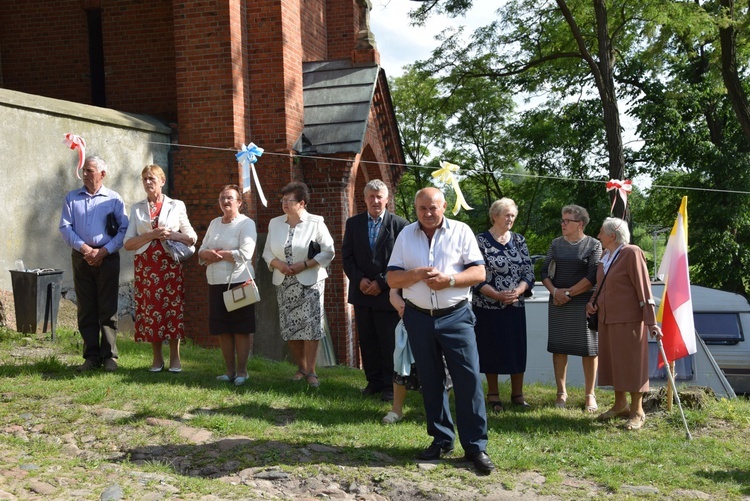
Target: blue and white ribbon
{"points": [[247, 157]]}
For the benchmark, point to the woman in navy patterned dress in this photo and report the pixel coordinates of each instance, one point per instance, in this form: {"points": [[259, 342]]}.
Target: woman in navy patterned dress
{"points": [[498, 304]]}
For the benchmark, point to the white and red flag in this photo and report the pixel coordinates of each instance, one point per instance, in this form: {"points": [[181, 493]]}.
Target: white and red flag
{"points": [[676, 309]]}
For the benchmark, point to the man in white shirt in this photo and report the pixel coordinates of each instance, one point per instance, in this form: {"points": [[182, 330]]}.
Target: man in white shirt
{"points": [[435, 262]]}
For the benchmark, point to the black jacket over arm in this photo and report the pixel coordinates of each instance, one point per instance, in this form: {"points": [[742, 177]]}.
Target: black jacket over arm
{"points": [[361, 262]]}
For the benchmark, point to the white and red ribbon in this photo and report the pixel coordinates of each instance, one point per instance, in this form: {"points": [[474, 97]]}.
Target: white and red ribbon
{"points": [[623, 188], [76, 143]]}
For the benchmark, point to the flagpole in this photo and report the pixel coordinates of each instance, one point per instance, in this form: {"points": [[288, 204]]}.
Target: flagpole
{"points": [[674, 389], [670, 400]]}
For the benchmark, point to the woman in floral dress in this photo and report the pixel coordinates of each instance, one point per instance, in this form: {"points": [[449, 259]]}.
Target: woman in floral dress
{"points": [[159, 294]]}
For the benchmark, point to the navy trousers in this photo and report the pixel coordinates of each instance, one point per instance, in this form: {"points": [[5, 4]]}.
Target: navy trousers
{"points": [[453, 336]]}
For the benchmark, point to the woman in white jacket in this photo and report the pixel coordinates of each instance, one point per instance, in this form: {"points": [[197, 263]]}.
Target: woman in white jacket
{"points": [[159, 294], [299, 276]]}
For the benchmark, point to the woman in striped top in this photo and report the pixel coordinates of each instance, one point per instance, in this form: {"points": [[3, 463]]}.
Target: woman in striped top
{"points": [[569, 273]]}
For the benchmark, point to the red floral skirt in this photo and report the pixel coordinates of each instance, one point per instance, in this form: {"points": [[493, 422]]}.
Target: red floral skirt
{"points": [[159, 296]]}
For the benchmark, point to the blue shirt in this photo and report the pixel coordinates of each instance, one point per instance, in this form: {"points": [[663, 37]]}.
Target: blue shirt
{"points": [[373, 228], [84, 219]]}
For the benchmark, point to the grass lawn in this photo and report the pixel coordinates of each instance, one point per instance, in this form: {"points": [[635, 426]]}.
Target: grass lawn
{"points": [[46, 406]]}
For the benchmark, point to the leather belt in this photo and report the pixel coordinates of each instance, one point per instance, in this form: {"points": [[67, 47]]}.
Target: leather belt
{"points": [[440, 312]]}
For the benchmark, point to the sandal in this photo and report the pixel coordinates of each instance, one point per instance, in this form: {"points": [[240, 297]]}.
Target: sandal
{"points": [[519, 401], [298, 376], [494, 405], [591, 408], [614, 413], [635, 423], [315, 382], [391, 418], [561, 400]]}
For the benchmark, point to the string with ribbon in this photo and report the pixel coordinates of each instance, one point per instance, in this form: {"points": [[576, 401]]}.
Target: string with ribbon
{"points": [[622, 188], [75, 142], [247, 157], [446, 174]]}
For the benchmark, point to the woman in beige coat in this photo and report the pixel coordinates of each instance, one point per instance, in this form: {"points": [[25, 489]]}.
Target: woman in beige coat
{"points": [[625, 308]]}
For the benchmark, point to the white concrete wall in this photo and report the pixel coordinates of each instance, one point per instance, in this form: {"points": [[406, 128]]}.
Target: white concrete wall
{"points": [[38, 170]]}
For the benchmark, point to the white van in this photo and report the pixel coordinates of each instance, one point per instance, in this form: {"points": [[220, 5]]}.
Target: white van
{"points": [[721, 318]]}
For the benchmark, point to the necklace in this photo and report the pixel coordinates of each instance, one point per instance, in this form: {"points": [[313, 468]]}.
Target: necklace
{"points": [[503, 239]]}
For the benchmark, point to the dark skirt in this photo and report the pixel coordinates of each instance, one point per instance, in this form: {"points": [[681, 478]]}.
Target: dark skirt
{"points": [[221, 321], [501, 340], [567, 331]]}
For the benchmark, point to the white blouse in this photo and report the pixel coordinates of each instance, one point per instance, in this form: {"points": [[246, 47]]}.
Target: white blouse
{"points": [[240, 237]]}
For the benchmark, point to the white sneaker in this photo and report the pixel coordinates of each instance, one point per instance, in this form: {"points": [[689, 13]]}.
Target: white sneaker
{"points": [[391, 418]]}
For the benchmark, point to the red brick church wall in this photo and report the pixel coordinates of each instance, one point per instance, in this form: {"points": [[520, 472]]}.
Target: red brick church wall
{"points": [[225, 73]]}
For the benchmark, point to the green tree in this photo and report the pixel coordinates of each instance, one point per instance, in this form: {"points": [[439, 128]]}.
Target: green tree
{"points": [[422, 113]]}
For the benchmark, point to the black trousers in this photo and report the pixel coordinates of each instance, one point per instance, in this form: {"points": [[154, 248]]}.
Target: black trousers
{"points": [[377, 341], [96, 291]]}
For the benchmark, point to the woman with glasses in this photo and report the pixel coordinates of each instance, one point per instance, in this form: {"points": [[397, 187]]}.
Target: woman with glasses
{"points": [[227, 250], [569, 273], [625, 308], [298, 250], [158, 283]]}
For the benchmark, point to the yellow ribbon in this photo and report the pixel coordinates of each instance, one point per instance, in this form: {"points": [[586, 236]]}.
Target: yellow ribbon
{"points": [[445, 174]]}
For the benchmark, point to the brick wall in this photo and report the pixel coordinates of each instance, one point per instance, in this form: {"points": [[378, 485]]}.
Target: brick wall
{"points": [[45, 49], [140, 74], [314, 34], [343, 25]]}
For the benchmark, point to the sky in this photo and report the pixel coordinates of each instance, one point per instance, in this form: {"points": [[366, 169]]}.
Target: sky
{"points": [[399, 43]]}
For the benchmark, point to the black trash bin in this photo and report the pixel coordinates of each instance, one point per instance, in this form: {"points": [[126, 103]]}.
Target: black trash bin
{"points": [[36, 294]]}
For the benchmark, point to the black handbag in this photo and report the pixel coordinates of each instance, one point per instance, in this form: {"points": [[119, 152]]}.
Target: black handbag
{"points": [[313, 250], [112, 225]]}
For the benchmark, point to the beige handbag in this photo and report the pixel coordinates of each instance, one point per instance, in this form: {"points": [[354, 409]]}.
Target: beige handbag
{"points": [[242, 295]]}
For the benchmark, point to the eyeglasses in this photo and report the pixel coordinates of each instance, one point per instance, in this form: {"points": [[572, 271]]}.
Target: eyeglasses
{"points": [[227, 199], [568, 221], [288, 201]]}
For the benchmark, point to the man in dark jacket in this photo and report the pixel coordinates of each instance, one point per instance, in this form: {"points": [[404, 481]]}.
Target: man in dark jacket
{"points": [[368, 242]]}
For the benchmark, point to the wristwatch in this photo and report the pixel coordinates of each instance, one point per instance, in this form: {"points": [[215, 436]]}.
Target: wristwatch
{"points": [[567, 293], [452, 282]]}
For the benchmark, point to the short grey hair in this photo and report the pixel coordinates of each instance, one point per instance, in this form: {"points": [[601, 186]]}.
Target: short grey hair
{"points": [[578, 212], [101, 165], [376, 185], [498, 206], [617, 227]]}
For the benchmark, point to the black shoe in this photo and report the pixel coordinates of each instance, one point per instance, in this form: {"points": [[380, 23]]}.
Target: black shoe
{"points": [[387, 396], [434, 451], [370, 389], [481, 460]]}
